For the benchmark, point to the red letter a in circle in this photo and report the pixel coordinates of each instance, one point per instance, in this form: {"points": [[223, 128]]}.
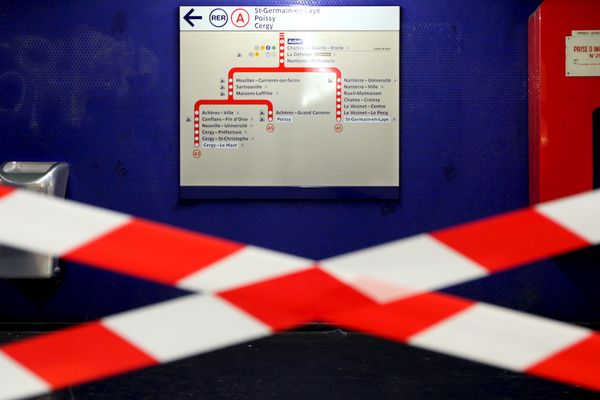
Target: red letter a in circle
{"points": [[240, 17]]}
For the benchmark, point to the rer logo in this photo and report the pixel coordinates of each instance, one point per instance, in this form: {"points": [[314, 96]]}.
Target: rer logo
{"points": [[218, 17], [240, 17]]}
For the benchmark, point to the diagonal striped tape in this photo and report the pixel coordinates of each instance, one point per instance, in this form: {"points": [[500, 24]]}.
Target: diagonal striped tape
{"points": [[196, 324], [470, 251], [271, 288], [124, 342], [484, 333], [124, 244]]}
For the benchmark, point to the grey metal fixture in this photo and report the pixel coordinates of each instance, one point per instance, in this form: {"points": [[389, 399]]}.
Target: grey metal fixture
{"points": [[44, 177]]}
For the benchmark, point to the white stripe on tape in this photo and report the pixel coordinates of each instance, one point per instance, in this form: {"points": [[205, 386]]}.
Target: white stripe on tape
{"points": [[48, 225], [580, 214], [186, 326], [246, 266], [17, 381], [500, 337], [419, 263]]}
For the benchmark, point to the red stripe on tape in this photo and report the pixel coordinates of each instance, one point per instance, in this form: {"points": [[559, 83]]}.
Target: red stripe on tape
{"points": [[153, 251], [511, 239], [578, 364], [77, 355], [4, 190], [295, 299], [402, 319]]}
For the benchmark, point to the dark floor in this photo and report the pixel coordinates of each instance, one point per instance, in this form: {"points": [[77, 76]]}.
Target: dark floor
{"points": [[320, 364]]}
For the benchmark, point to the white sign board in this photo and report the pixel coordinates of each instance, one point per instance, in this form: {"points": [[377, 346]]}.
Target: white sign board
{"points": [[583, 53], [279, 99]]}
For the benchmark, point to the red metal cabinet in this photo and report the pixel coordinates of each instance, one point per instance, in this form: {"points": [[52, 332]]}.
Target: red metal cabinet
{"points": [[561, 107]]}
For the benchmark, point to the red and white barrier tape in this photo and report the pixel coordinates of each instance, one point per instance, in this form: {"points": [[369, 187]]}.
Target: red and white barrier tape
{"points": [[385, 290], [125, 244]]}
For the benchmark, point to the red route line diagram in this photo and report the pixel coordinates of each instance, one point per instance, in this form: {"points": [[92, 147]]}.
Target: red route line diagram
{"points": [[197, 117], [279, 69]]}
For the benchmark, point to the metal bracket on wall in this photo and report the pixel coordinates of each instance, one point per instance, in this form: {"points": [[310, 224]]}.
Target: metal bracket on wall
{"points": [[45, 177]]}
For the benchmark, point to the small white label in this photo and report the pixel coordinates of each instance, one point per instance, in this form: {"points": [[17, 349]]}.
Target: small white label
{"points": [[284, 119], [585, 33], [583, 54], [368, 120]]}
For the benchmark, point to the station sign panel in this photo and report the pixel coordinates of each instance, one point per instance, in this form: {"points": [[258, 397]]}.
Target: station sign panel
{"points": [[289, 102]]}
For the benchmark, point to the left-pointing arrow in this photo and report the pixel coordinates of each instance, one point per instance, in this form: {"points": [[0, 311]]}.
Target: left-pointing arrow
{"points": [[189, 17]]}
